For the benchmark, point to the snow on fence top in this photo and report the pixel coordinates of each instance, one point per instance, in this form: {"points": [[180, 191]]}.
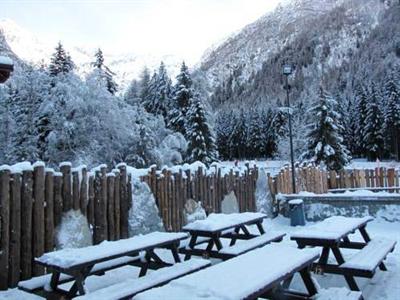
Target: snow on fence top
{"points": [[5, 60]]}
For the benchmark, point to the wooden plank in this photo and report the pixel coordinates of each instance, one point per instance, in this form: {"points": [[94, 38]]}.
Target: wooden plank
{"points": [[390, 178], [97, 227], [117, 208], [103, 204], [38, 217], [26, 224], [75, 190], [49, 212], [66, 186], [124, 202], [111, 207], [58, 201], [5, 226], [91, 200], [83, 193], [15, 230]]}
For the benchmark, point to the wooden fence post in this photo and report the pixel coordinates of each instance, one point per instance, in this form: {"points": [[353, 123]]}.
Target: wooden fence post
{"points": [[49, 211], [111, 207], [5, 229], [58, 200], [117, 209], [75, 190], [15, 230], [26, 224], [65, 169], [84, 193], [124, 201], [38, 216]]}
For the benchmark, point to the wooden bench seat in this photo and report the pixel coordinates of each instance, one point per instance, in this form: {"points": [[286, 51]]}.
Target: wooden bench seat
{"points": [[338, 294], [40, 282], [252, 244], [131, 287], [365, 262]]}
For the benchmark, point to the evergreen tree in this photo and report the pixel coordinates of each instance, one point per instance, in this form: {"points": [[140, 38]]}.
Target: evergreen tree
{"points": [[60, 62], [392, 116], [224, 127], [239, 140], [373, 131], [361, 115], [144, 84], [201, 143], [324, 143], [157, 102], [183, 95], [104, 73]]}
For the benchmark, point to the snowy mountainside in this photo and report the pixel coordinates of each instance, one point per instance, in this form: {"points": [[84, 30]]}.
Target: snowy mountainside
{"points": [[127, 66], [245, 52]]}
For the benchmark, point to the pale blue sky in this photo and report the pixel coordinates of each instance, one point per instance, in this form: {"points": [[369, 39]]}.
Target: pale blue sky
{"points": [[182, 27]]}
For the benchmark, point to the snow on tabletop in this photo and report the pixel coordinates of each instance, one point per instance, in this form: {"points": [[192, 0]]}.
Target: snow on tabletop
{"points": [[215, 222], [337, 294], [132, 286], [70, 257], [6, 60], [253, 270], [332, 228], [371, 255]]}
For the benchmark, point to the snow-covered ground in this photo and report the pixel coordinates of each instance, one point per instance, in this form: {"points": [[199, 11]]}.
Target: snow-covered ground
{"points": [[384, 285]]}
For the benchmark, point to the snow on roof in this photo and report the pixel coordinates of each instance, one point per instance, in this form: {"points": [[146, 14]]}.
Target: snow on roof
{"points": [[6, 60], [333, 228], [236, 278], [70, 257], [216, 222]]}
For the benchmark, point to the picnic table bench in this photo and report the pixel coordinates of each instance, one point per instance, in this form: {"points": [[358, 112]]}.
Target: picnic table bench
{"points": [[258, 273], [333, 234], [77, 264], [227, 226]]}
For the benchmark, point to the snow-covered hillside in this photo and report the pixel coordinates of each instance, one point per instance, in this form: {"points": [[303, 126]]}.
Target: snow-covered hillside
{"points": [[127, 66]]}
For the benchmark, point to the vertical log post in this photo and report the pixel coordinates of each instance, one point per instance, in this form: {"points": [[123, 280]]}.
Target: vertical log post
{"points": [[5, 223], [49, 211], [38, 216], [26, 224], [15, 230]]}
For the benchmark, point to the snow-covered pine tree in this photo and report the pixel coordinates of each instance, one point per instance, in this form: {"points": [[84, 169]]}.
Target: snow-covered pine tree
{"points": [[258, 134], [144, 84], [324, 143], [132, 94], [60, 62], [239, 140], [183, 95], [201, 143], [158, 99], [360, 116], [104, 73], [392, 116], [224, 128], [373, 131]]}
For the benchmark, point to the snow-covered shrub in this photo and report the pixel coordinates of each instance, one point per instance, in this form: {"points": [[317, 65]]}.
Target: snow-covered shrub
{"points": [[144, 215], [263, 194], [194, 211], [172, 149], [73, 231], [230, 204]]}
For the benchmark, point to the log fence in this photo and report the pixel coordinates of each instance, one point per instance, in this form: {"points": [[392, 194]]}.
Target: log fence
{"points": [[34, 199], [319, 181]]}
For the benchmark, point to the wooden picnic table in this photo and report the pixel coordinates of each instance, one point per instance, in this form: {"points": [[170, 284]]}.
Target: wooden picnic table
{"points": [[333, 234], [78, 263], [217, 226]]}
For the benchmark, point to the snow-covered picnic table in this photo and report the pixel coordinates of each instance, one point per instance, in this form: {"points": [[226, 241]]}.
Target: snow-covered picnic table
{"points": [[333, 234], [78, 263], [228, 226], [249, 276]]}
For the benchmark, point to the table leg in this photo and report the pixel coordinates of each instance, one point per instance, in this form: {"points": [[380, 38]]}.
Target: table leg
{"points": [[218, 243], [323, 260], [245, 230], [349, 279], [55, 277], [175, 254], [233, 240], [308, 282], [192, 243], [79, 284], [145, 266], [260, 227]]}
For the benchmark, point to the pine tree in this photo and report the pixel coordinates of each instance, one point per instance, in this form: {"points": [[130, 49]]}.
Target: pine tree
{"points": [[324, 143], [392, 116], [239, 140], [157, 102], [183, 95], [60, 62], [361, 115], [224, 128], [104, 73], [201, 143], [144, 84], [373, 131]]}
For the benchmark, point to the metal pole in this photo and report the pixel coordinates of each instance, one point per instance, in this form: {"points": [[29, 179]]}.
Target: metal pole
{"points": [[290, 136]]}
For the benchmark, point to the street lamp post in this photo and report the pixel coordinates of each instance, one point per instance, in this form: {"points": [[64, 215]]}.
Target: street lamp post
{"points": [[287, 71]]}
